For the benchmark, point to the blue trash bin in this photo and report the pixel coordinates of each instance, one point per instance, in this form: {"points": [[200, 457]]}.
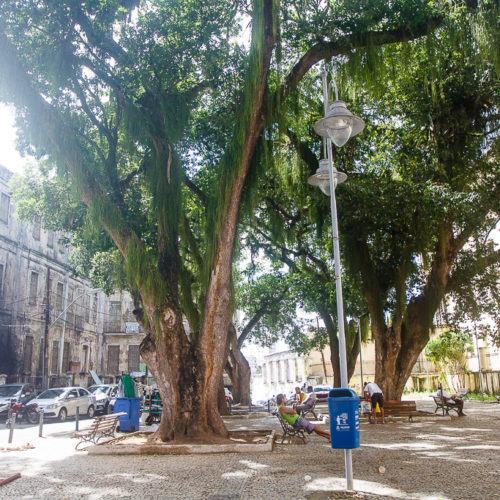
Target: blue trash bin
{"points": [[344, 418], [130, 421]]}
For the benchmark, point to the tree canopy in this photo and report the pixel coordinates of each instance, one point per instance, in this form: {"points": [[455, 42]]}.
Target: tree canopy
{"points": [[158, 117]]}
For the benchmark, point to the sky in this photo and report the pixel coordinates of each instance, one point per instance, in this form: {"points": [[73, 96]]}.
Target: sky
{"points": [[9, 157]]}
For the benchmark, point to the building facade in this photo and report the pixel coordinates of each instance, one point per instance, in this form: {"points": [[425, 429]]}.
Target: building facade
{"points": [[280, 370], [54, 328]]}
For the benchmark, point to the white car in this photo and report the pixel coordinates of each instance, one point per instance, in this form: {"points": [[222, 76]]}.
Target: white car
{"points": [[103, 394], [61, 402]]}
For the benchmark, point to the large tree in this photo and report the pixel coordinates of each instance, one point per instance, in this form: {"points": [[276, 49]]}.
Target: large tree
{"points": [[416, 222], [123, 96]]}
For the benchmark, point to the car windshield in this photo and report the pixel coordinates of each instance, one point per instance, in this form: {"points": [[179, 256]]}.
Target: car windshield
{"points": [[98, 388], [9, 390], [51, 393], [321, 389]]}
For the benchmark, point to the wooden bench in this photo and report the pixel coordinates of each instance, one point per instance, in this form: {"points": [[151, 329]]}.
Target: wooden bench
{"points": [[288, 430], [402, 409], [102, 426], [442, 404], [310, 412]]}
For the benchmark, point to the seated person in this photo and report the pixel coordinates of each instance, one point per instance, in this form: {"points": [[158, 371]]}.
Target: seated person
{"points": [[299, 396], [296, 421], [452, 400], [308, 402]]}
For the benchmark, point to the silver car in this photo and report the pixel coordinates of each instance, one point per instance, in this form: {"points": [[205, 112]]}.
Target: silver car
{"points": [[10, 393], [61, 402], [103, 394]]}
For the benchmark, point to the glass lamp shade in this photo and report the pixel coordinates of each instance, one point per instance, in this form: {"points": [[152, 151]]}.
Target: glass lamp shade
{"points": [[339, 124], [322, 178]]}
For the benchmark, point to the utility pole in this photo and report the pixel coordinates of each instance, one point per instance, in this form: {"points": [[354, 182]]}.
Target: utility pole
{"points": [[46, 334]]}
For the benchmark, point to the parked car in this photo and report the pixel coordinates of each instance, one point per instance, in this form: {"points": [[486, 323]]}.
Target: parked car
{"points": [[322, 392], [10, 393], [61, 402], [103, 394]]}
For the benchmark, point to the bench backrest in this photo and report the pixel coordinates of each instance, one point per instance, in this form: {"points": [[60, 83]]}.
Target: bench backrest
{"points": [[283, 422], [438, 400], [105, 422], [400, 405]]}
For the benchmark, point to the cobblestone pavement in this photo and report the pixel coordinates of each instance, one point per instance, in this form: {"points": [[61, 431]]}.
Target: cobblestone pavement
{"points": [[429, 459]]}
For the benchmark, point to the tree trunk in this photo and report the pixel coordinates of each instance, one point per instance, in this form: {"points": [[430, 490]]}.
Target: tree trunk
{"points": [[351, 353], [396, 352], [240, 373], [221, 400]]}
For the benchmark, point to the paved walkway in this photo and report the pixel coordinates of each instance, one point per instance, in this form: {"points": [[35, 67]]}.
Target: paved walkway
{"points": [[446, 459]]}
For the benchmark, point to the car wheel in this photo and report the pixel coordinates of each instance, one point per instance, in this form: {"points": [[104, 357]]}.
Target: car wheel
{"points": [[91, 411], [63, 415]]}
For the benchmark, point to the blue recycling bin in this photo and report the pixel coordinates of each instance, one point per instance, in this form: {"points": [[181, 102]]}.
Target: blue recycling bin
{"points": [[343, 406], [131, 406]]}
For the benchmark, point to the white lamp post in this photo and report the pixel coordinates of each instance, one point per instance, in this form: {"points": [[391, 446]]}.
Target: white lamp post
{"points": [[338, 125]]}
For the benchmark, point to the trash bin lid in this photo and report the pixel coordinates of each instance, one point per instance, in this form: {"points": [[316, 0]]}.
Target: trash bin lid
{"points": [[342, 392]]}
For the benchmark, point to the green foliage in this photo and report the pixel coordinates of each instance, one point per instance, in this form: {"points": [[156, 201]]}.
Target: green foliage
{"points": [[144, 95], [448, 351]]}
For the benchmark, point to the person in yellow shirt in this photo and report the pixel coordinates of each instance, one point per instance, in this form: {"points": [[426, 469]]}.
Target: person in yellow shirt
{"points": [[300, 396]]}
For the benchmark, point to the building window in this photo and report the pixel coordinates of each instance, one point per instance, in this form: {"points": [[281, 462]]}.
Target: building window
{"points": [[133, 358], [59, 296], [87, 309], [4, 207], [65, 360], [33, 289], [36, 230], [113, 359], [55, 356], [2, 268], [50, 239], [28, 355], [85, 358], [94, 310], [114, 318]]}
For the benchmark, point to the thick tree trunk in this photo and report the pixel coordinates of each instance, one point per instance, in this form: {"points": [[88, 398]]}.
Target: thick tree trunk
{"points": [[396, 352], [240, 373], [398, 346]]}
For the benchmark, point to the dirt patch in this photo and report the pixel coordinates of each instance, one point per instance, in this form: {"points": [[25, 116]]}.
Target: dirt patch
{"points": [[140, 443], [242, 437]]}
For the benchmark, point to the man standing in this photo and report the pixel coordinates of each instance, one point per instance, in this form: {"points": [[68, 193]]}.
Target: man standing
{"points": [[375, 393]]}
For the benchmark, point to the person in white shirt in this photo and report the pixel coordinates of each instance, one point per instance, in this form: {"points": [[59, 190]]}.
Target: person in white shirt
{"points": [[452, 400], [308, 402], [372, 390]]}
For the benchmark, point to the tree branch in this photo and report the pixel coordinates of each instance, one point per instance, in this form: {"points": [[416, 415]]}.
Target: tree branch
{"points": [[345, 45]]}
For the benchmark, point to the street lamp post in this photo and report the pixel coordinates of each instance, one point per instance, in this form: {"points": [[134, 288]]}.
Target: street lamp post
{"points": [[338, 125]]}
